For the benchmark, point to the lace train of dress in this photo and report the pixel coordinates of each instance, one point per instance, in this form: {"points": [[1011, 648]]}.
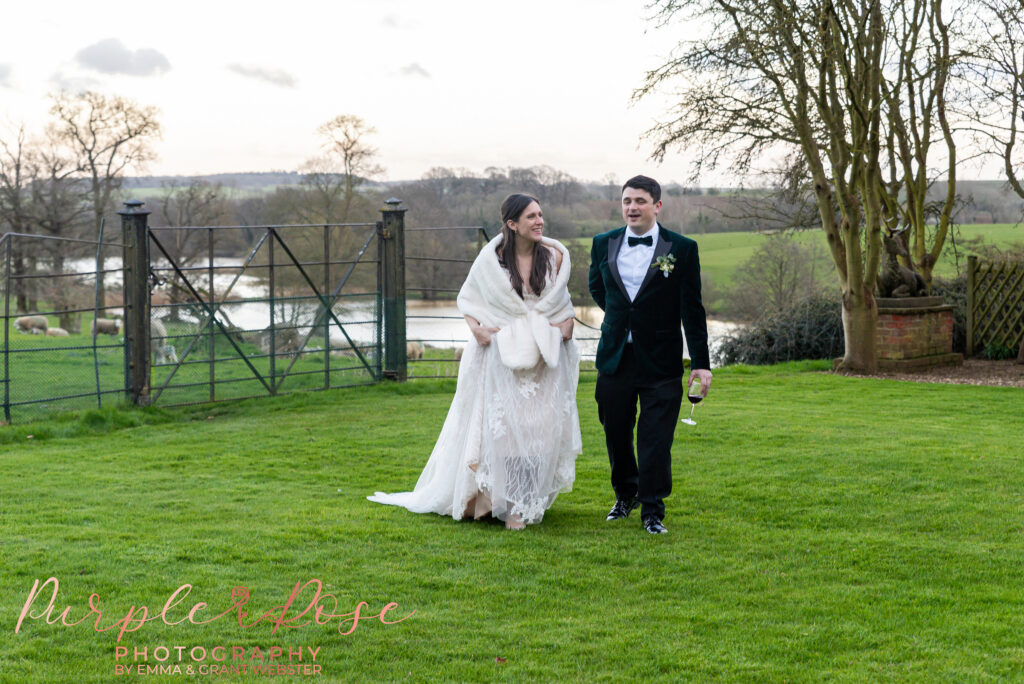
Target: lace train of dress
{"points": [[511, 437]]}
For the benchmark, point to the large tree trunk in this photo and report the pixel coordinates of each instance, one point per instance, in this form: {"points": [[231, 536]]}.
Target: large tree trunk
{"points": [[31, 288], [18, 263], [860, 321], [63, 300]]}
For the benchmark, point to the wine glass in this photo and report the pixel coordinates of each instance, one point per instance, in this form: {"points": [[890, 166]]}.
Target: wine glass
{"points": [[695, 397]]}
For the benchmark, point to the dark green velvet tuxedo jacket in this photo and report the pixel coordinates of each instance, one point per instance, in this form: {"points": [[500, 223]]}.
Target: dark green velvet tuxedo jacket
{"points": [[654, 315]]}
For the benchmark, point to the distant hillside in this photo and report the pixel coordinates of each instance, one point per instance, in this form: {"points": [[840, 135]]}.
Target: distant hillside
{"points": [[988, 201], [249, 181]]}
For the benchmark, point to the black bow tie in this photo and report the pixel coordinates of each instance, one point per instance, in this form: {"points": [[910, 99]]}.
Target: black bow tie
{"points": [[645, 240]]}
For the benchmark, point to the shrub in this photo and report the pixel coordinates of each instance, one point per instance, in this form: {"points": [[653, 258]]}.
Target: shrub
{"points": [[954, 292], [780, 273], [812, 328], [998, 351]]}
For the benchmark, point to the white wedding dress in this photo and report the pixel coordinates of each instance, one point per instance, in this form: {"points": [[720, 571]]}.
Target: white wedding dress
{"points": [[509, 443]]}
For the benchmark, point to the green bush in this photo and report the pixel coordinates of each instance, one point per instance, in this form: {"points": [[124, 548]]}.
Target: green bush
{"points": [[997, 351], [812, 328], [954, 292]]}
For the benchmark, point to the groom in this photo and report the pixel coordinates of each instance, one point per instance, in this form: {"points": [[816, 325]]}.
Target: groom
{"points": [[646, 279]]}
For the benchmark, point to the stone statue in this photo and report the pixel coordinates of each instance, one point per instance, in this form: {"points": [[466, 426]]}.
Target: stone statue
{"points": [[897, 280]]}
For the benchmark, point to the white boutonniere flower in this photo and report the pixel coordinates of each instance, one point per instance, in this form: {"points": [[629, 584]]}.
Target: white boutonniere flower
{"points": [[665, 264]]}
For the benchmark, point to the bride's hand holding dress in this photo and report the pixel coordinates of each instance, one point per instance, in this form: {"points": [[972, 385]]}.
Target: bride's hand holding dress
{"points": [[481, 333], [512, 435]]}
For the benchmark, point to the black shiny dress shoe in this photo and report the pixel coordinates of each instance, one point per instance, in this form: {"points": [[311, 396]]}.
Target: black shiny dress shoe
{"points": [[653, 525], [622, 509]]}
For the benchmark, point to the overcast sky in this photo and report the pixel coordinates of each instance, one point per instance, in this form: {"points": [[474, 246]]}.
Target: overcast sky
{"points": [[446, 82], [455, 83]]}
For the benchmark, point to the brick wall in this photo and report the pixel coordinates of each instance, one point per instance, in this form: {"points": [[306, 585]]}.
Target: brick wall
{"points": [[908, 334]]}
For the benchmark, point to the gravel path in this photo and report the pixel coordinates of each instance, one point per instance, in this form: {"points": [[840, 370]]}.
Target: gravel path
{"points": [[1006, 373]]}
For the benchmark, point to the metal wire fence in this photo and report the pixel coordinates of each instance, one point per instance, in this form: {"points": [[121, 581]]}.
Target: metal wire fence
{"points": [[256, 311], [55, 357], [235, 311], [230, 312], [436, 331]]}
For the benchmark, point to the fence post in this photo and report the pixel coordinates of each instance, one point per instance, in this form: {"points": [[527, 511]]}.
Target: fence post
{"points": [[972, 270], [135, 232], [6, 240], [391, 232]]}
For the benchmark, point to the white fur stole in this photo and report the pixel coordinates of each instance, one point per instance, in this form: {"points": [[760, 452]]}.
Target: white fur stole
{"points": [[525, 335]]}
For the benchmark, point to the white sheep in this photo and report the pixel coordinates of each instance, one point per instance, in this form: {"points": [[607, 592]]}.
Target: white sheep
{"points": [[57, 332], [157, 331], [36, 325], [162, 352], [414, 350], [165, 353], [106, 326]]}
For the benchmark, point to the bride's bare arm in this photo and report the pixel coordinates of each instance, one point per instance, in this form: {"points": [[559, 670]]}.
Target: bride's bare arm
{"points": [[482, 333]]}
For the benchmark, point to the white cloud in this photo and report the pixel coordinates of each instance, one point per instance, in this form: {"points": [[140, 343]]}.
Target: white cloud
{"points": [[110, 56], [273, 76], [73, 84], [414, 70], [393, 21]]}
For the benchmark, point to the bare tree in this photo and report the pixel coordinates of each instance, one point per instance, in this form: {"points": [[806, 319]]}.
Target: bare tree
{"points": [[997, 67], [107, 135], [827, 80], [778, 275], [59, 209], [183, 205], [345, 139], [786, 202], [917, 122], [326, 198], [15, 181]]}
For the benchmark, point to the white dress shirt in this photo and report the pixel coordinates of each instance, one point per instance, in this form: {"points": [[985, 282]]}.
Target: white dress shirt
{"points": [[634, 262]]}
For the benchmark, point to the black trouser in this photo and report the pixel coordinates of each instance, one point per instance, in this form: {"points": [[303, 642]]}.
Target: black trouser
{"points": [[617, 396]]}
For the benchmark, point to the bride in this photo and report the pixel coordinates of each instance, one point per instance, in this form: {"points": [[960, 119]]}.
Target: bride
{"points": [[510, 441]]}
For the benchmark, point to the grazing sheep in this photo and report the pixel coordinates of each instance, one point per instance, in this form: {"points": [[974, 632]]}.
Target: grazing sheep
{"points": [[35, 325], [342, 349], [458, 353], [162, 352], [57, 332], [286, 341], [106, 326], [157, 331], [414, 350]]}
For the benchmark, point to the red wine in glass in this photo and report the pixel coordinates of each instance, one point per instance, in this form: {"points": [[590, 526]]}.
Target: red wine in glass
{"points": [[695, 397]]}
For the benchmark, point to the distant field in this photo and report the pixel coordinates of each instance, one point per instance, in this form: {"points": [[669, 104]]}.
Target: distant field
{"points": [[722, 253]]}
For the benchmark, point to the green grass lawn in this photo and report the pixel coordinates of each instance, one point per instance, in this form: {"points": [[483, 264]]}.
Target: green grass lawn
{"points": [[821, 527], [50, 375]]}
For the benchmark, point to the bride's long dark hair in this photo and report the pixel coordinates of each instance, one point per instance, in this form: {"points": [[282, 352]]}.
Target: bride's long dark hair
{"points": [[511, 209]]}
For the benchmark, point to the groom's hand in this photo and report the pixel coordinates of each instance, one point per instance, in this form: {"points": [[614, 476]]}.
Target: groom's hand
{"points": [[704, 376]]}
